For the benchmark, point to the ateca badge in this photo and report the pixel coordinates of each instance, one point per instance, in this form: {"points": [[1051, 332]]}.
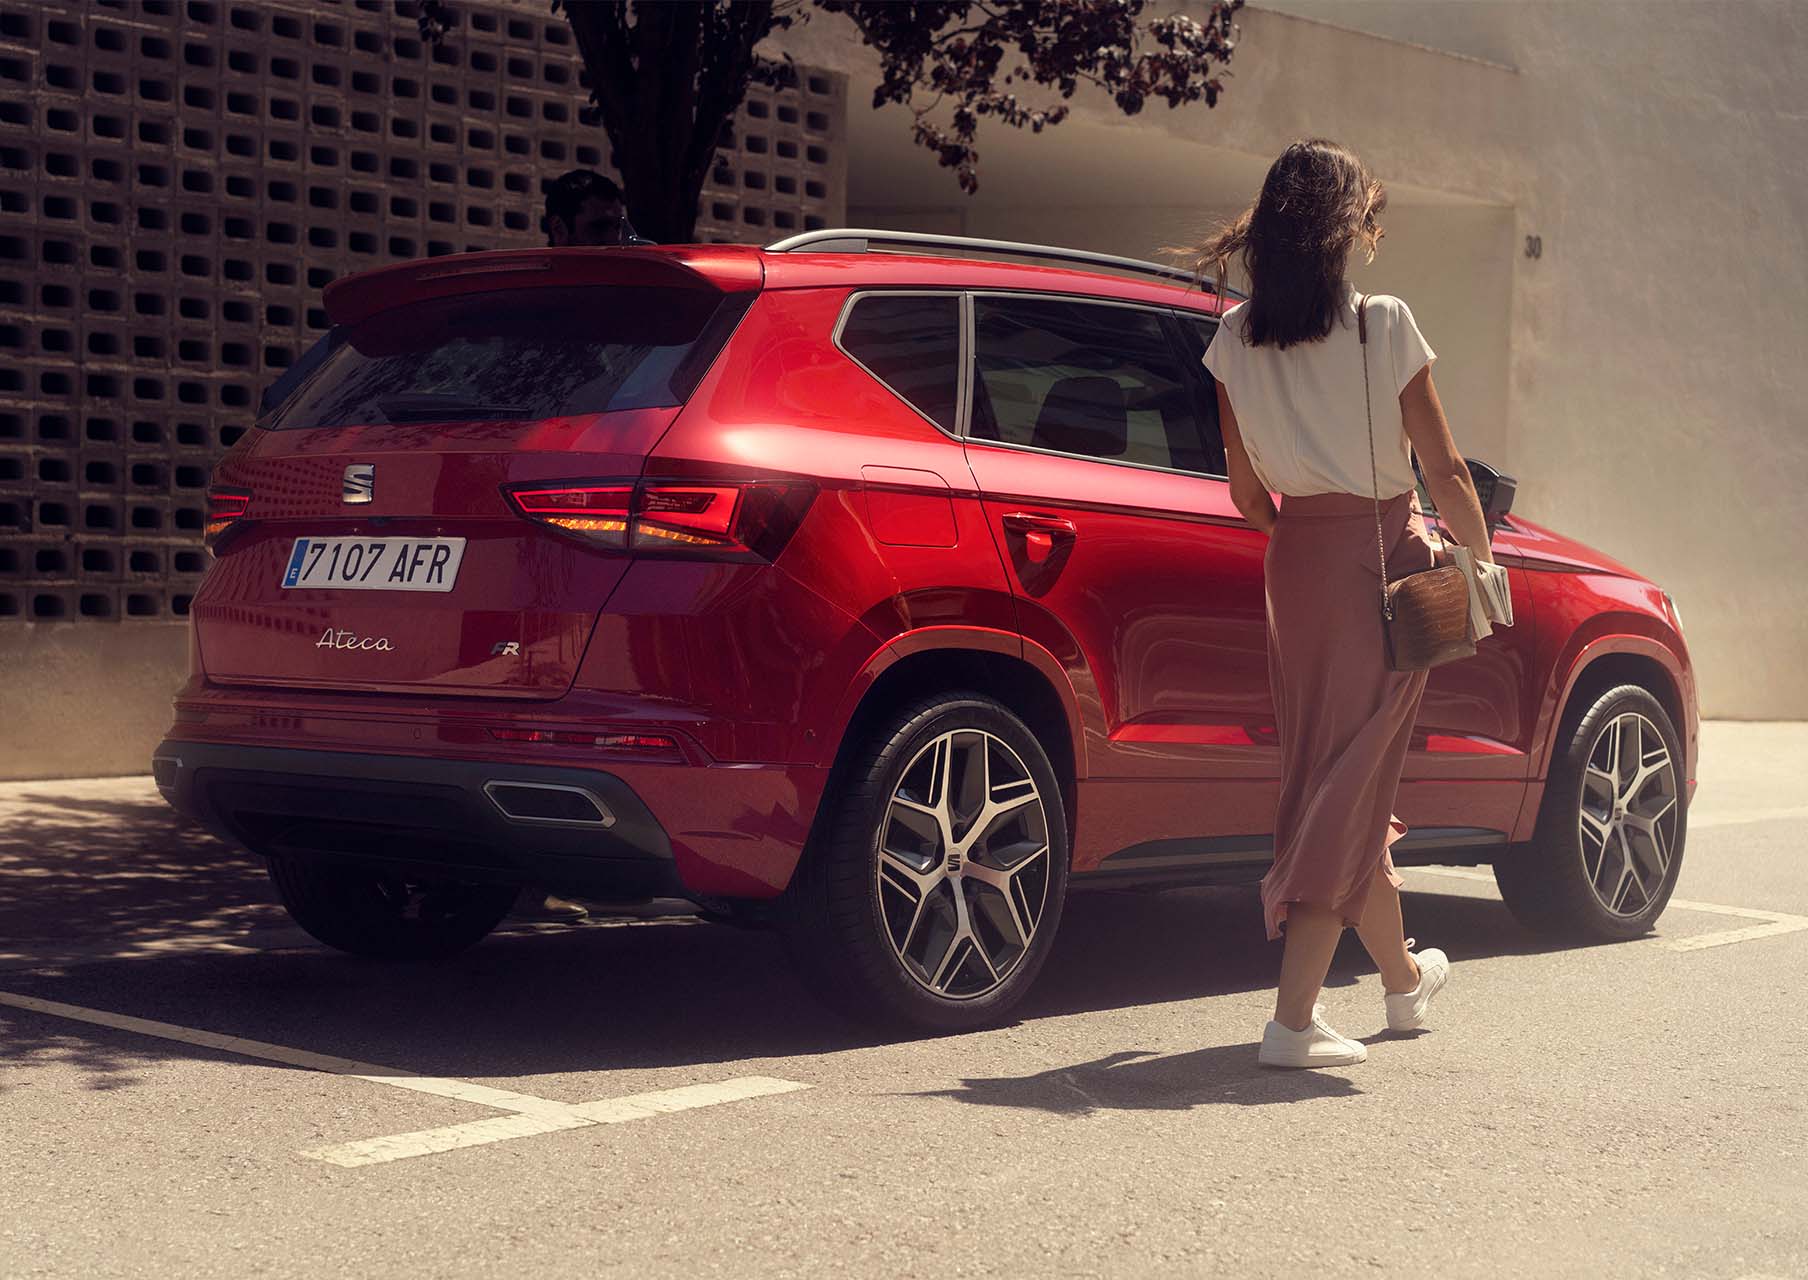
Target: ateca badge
{"points": [[331, 639]]}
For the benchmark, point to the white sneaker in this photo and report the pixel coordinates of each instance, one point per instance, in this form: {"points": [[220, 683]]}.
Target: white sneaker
{"points": [[1406, 1009], [1316, 1046]]}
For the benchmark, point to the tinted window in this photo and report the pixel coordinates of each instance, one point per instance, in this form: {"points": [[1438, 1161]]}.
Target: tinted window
{"points": [[911, 343], [529, 353], [1083, 378], [1198, 334]]}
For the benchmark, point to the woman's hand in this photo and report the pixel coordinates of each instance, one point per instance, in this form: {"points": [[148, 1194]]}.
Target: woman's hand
{"points": [[1446, 474], [1247, 491]]}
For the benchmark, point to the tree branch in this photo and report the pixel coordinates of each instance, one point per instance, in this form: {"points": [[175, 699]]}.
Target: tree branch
{"points": [[667, 75]]}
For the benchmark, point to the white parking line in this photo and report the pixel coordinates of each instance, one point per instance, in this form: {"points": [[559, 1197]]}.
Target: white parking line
{"points": [[1773, 922], [528, 1115], [637, 1106], [428, 1142], [439, 1086]]}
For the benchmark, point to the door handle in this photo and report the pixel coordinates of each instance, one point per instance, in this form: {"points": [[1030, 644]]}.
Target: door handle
{"points": [[1039, 532], [1030, 522]]}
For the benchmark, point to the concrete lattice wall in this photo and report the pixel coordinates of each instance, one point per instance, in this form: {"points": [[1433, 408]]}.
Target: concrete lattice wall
{"points": [[177, 182]]}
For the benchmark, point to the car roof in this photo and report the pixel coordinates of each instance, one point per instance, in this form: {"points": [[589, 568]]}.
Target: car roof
{"points": [[803, 269], [736, 268]]}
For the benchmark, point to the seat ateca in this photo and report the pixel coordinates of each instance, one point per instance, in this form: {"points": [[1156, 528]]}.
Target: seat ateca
{"points": [[881, 588]]}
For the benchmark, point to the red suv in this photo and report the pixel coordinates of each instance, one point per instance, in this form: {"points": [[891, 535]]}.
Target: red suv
{"points": [[886, 597]]}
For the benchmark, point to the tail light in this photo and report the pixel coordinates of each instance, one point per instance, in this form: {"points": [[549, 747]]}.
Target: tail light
{"points": [[225, 508], [751, 520], [597, 512]]}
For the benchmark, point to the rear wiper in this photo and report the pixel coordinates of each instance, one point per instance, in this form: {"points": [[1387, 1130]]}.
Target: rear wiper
{"points": [[429, 406]]}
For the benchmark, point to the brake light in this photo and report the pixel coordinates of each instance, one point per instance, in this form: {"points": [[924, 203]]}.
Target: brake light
{"points": [[225, 507], [727, 520]]}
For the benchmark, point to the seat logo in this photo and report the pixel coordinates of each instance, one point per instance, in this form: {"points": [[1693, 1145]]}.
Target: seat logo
{"points": [[954, 862], [360, 483]]}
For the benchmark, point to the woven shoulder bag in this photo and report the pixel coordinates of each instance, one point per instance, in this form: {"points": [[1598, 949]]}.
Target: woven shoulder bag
{"points": [[1424, 615]]}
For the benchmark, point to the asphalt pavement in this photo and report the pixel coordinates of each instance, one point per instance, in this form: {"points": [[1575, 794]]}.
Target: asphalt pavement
{"points": [[189, 1086]]}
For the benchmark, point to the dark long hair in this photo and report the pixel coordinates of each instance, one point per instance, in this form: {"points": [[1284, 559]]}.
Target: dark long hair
{"points": [[1317, 203]]}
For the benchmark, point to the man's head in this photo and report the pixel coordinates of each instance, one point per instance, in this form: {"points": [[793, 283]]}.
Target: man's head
{"points": [[585, 208]]}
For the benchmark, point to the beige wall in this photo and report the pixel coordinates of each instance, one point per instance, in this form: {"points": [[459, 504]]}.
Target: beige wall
{"points": [[81, 700], [1643, 378]]}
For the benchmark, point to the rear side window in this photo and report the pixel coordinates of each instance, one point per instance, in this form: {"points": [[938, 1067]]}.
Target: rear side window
{"points": [[526, 353], [1083, 378], [911, 343], [1197, 335]]}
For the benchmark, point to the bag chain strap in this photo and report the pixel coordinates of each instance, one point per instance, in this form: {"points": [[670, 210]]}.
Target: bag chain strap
{"points": [[1362, 333]]}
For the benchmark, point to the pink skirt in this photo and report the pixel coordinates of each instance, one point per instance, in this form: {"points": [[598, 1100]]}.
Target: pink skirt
{"points": [[1344, 719]]}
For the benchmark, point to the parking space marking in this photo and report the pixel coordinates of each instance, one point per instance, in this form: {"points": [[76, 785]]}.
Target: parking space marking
{"points": [[429, 1142], [527, 1115], [1771, 923], [1774, 923], [638, 1106], [394, 1077]]}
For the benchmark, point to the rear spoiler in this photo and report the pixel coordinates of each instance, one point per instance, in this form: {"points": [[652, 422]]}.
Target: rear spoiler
{"points": [[723, 268]]}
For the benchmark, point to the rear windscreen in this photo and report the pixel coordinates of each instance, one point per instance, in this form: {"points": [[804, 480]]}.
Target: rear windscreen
{"points": [[526, 353]]}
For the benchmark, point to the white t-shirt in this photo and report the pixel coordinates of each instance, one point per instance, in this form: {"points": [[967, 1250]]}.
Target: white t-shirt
{"points": [[1299, 411]]}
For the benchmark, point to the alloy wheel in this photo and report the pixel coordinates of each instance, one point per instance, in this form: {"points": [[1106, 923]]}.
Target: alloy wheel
{"points": [[1627, 818], [963, 864]]}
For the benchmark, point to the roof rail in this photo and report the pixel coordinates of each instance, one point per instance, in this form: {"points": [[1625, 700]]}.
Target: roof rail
{"points": [[861, 240]]}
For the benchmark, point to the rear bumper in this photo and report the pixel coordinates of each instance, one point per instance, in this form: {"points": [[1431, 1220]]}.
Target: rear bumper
{"points": [[584, 831]]}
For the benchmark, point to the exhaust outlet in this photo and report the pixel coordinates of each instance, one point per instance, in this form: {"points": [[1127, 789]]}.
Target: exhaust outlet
{"points": [[548, 804]]}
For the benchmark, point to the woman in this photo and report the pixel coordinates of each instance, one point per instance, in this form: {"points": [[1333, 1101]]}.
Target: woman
{"points": [[1290, 374]]}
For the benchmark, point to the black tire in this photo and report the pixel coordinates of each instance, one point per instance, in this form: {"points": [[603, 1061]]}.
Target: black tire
{"points": [[839, 921], [368, 913], [1548, 884]]}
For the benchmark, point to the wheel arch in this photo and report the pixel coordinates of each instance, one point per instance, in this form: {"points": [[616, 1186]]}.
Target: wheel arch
{"points": [[1612, 660], [920, 663]]}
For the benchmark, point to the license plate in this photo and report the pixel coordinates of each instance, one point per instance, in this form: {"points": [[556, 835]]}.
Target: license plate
{"points": [[374, 564]]}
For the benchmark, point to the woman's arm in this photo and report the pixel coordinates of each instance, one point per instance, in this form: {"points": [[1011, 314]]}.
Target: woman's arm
{"points": [[1248, 493], [1446, 474]]}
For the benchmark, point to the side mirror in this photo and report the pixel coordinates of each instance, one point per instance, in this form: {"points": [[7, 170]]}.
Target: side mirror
{"points": [[1493, 489]]}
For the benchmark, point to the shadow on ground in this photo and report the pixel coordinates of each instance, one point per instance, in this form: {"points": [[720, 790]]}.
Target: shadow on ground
{"points": [[1131, 1081], [593, 998], [107, 862]]}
